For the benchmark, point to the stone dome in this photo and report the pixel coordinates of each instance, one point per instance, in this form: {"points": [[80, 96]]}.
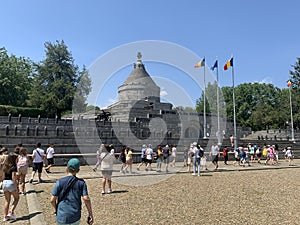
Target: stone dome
{"points": [[139, 85]]}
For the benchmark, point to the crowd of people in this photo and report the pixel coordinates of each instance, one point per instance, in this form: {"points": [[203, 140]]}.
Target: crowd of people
{"points": [[14, 168], [67, 204], [268, 153]]}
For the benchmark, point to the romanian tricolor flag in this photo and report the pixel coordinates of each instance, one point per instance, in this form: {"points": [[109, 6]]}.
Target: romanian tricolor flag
{"points": [[228, 64], [200, 64], [289, 83]]}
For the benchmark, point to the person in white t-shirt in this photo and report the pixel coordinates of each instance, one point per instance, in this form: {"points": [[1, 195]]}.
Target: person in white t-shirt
{"points": [[289, 155], [174, 154], [50, 155], [149, 155], [38, 156]]}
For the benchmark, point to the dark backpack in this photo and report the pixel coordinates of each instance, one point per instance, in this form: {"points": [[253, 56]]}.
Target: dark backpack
{"points": [[201, 153]]}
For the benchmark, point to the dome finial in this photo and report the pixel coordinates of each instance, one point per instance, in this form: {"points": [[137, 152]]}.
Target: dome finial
{"points": [[139, 56]]}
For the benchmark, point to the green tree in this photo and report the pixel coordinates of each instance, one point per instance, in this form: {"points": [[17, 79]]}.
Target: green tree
{"points": [[256, 99], [256, 105], [295, 92], [82, 91], [56, 80], [295, 74], [15, 79]]}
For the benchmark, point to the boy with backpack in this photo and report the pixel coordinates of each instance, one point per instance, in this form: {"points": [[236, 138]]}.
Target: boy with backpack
{"points": [[67, 194]]}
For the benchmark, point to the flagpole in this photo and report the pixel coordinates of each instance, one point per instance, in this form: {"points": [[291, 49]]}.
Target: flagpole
{"points": [[292, 124], [204, 110], [234, 113], [218, 108]]}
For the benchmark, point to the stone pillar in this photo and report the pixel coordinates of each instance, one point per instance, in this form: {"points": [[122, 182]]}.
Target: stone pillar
{"points": [[20, 118], [27, 130], [45, 131], [6, 130], [57, 131], [39, 118], [36, 131], [9, 117], [16, 130]]}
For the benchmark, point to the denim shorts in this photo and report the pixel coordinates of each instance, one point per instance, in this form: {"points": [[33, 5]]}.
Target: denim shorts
{"points": [[8, 185]]}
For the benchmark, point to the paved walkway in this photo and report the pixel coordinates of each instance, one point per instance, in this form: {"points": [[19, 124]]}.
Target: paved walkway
{"points": [[29, 211]]}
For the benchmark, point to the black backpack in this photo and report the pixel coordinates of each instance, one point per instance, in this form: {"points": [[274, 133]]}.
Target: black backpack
{"points": [[201, 153]]}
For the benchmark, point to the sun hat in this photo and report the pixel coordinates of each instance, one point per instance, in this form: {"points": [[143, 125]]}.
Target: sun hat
{"points": [[73, 164]]}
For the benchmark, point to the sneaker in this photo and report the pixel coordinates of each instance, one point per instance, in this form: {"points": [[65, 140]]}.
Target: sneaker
{"points": [[11, 216], [40, 181], [138, 169], [5, 218], [109, 191], [193, 174], [30, 181], [103, 192], [94, 169]]}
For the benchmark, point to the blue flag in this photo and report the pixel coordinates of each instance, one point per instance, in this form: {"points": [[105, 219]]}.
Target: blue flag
{"points": [[214, 66]]}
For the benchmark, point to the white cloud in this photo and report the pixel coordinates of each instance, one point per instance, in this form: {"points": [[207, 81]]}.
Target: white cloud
{"points": [[109, 102], [163, 93], [266, 80]]}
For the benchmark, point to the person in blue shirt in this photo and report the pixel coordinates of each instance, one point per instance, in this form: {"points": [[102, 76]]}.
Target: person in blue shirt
{"points": [[67, 203]]}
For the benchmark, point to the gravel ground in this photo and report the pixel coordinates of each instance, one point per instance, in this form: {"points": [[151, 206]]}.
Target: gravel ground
{"points": [[21, 211], [236, 195]]}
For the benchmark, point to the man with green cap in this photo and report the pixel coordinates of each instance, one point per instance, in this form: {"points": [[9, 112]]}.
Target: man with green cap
{"points": [[67, 194]]}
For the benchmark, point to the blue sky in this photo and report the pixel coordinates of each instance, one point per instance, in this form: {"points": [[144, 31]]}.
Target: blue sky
{"points": [[262, 35]]}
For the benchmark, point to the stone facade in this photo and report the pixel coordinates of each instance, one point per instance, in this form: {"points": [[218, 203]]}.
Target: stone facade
{"points": [[139, 117]]}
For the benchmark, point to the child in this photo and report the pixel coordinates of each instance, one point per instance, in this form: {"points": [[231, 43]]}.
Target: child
{"points": [[129, 159], [289, 155], [122, 158], [10, 187], [22, 166], [98, 157], [68, 194], [190, 156]]}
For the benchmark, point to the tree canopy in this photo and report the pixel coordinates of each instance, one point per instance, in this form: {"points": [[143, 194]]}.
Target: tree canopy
{"points": [[259, 106], [56, 79], [15, 79]]}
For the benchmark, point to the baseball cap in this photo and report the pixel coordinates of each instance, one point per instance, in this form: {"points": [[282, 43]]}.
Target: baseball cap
{"points": [[73, 164]]}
